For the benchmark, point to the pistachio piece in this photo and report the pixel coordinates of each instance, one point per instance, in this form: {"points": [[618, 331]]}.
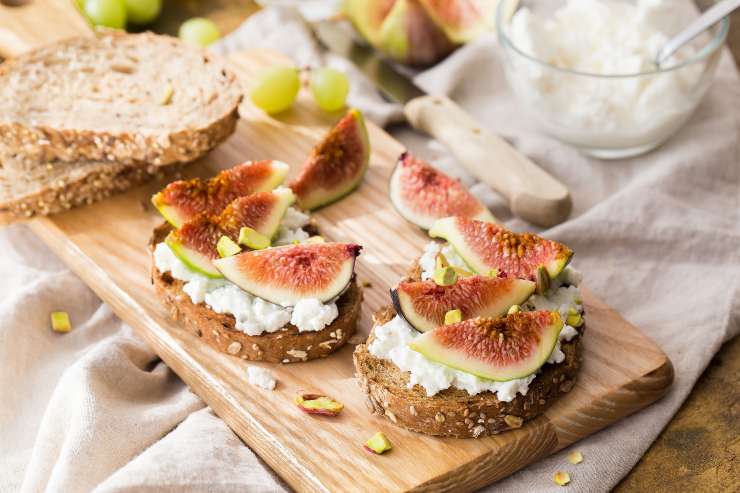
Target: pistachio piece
{"points": [[166, 95], [453, 317], [542, 278], [60, 322], [226, 247], [575, 457], [514, 309], [440, 262], [574, 320], [253, 239], [493, 273], [378, 443], [561, 478], [318, 404], [445, 276]]}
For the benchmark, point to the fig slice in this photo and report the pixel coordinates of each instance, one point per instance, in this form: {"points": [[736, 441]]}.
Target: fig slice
{"points": [[423, 194], [424, 303], [183, 200], [336, 165], [285, 275], [486, 246], [196, 242], [499, 349]]}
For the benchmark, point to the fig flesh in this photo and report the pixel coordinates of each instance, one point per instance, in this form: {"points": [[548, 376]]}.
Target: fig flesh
{"points": [[336, 165], [499, 349], [285, 275], [183, 200], [424, 303], [486, 246], [196, 242], [423, 194]]}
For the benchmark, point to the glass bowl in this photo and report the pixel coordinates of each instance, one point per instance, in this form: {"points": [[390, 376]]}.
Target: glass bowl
{"points": [[612, 115]]}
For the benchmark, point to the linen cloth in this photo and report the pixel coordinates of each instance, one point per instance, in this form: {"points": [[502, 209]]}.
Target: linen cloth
{"points": [[657, 237]]}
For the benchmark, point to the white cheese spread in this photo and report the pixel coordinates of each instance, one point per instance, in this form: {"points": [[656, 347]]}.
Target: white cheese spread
{"points": [[261, 377], [391, 340], [604, 37], [254, 316]]}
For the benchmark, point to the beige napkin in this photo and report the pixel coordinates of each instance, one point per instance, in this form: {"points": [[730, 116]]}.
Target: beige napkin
{"points": [[658, 237]]}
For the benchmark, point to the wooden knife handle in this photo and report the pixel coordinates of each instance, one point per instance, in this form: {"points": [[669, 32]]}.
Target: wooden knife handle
{"points": [[532, 193], [38, 22]]}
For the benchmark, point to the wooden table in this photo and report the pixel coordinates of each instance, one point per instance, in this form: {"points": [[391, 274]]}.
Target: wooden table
{"points": [[700, 448]]}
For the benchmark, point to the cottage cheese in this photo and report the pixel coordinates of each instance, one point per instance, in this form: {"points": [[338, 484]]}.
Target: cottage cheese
{"points": [[261, 377], [391, 340], [254, 316], [605, 37]]}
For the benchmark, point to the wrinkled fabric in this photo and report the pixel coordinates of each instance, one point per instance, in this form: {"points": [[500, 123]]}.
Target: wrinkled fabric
{"points": [[657, 237]]}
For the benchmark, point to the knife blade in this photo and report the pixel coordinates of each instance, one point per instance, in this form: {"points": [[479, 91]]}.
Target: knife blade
{"points": [[532, 194]]}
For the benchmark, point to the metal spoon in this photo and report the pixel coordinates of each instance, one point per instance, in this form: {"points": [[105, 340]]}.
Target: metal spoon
{"points": [[706, 20]]}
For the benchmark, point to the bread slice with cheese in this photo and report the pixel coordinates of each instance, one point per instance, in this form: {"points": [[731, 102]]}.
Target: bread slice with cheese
{"points": [[454, 412], [287, 345]]}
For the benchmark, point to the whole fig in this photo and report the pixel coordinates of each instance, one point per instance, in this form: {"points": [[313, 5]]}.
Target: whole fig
{"points": [[419, 32]]}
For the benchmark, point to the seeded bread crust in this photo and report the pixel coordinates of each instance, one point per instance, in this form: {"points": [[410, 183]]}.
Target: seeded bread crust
{"points": [[36, 131], [454, 412], [287, 345]]}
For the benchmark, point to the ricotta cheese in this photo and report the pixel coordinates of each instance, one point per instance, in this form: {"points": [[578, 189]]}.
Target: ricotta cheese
{"points": [[254, 316], [605, 37], [391, 340], [261, 377]]}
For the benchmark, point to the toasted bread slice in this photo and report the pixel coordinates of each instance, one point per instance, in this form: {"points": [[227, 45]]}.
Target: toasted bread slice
{"points": [[287, 345], [453, 412], [114, 97]]}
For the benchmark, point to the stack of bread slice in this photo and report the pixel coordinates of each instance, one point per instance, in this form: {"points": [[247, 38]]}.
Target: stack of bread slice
{"points": [[94, 115]]}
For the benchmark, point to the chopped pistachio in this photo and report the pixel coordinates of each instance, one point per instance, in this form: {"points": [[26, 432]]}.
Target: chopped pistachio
{"points": [[561, 478], [575, 457], [574, 320], [60, 322], [226, 247], [378, 443], [318, 404], [493, 273], [453, 317], [253, 239], [514, 309], [166, 95], [445, 276]]}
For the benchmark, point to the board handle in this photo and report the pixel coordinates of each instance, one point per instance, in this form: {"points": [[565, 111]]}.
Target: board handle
{"points": [[532, 193], [34, 23]]}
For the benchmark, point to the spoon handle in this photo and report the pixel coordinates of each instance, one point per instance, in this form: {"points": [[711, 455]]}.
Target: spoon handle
{"points": [[710, 17]]}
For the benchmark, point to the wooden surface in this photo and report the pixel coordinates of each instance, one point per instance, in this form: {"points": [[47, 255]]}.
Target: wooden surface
{"points": [[700, 448]]}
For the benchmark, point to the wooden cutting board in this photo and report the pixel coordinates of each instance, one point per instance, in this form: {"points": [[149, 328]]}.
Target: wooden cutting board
{"points": [[105, 244]]}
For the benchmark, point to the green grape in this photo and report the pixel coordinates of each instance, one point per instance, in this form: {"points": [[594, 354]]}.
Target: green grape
{"points": [[142, 11], [199, 31], [329, 87], [276, 88], [108, 13]]}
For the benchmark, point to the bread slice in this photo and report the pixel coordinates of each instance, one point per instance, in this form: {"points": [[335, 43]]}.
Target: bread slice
{"points": [[57, 189], [114, 97], [287, 345], [453, 412]]}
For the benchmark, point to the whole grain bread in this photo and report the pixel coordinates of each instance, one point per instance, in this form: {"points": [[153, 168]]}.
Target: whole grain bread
{"points": [[287, 345], [114, 97], [453, 412]]}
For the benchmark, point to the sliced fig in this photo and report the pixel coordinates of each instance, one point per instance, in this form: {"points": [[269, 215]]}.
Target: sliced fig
{"points": [[498, 349], [424, 304], [336, 166], [195, 243], [461, 20], [486, 246], [423, 194], [286, 275], [182, 200]]}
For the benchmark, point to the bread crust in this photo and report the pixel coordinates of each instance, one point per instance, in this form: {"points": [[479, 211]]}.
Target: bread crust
{"points": [[453, 412], [23, 146], [287, 345]]}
